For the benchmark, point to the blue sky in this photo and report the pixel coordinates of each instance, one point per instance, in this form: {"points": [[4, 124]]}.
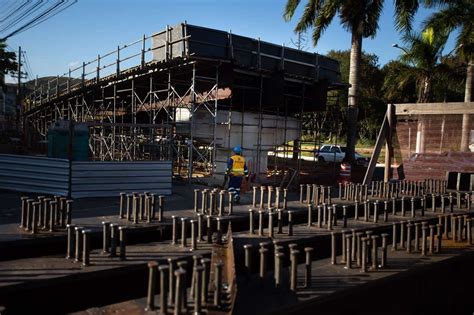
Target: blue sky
{"points": [[92, 27]]}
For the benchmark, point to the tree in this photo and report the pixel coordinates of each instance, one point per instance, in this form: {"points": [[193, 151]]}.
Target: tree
{"points": [[361, 19], [399, 83], [371, 104], [458, 15], [7, 63], [422, 58]]}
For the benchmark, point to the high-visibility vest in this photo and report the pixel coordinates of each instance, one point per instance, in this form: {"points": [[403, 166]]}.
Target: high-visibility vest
{"points": [[345, 173], [238, 165]]}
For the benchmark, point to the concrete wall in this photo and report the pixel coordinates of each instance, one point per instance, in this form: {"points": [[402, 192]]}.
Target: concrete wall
{"points": [[237, 128]]}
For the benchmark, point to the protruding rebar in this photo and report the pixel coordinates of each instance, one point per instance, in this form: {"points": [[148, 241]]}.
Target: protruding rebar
{"points": [[278, 269], [402, 234], [432, 242], [199, 273], [122, 205], [184, 238], [254, 196], [260, 222], [290, 223], [135, 208], [359, 248], [193, 235], [174, 231], [204, 201], [363, 266], [206, 262], [209, 229], [114, 239], [376, 211], [333, 249], [263, 265], [78, 247], [23, 211], [423, 240], [123, 242], [330, 220], [34, 217], [374, 252], [270, 224], [285, 200], [52, 214], [270, 197], [171, 280], [86, 247], [356, 210], [105, 236], [164, 288], [294, 269], [262, 196], [218, 283], [417, 236], [221, 202], [308, 266], [280, 221], [408, 247], [161, 208], [439, 237], [344, 216], [348, 240], [196, 200], [301, 193], [179, 288], [277, 197], [248, 259], [70, 241], [152, 272], [402, 201]]}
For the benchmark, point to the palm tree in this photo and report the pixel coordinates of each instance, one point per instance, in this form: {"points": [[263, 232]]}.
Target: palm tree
{"points": [[458, 15], [423, 58], [361, 19]]}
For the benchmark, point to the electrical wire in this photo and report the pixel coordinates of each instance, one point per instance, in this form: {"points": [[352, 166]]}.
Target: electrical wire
{"points": [[25, 10], [43, 20]]}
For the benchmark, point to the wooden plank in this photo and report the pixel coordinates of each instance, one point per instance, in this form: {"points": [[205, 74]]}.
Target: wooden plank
{"points": [[375, 155], [457, 108]]}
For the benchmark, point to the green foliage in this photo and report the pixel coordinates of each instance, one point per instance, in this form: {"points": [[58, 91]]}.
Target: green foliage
{"points": [[7, 62], [455, 15]]}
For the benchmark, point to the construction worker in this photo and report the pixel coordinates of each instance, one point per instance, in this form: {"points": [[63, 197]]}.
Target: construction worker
{"points": [[236, 170]]}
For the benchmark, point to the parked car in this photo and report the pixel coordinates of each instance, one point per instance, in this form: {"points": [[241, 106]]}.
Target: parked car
{"points": [[335, 153]]}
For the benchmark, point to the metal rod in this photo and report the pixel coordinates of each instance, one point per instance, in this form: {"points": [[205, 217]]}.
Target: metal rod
{"points": [[86, 247], [164, 288], [218, 283], [113, 239], [123, 242], [70, 241], [152, 271], [105, 236], [294, 270]]}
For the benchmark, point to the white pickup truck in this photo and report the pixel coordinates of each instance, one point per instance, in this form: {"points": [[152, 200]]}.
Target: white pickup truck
{"points": [[335, 153]]}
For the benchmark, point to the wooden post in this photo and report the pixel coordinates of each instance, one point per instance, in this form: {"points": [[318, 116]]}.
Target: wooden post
{"points": [[388, 142]]}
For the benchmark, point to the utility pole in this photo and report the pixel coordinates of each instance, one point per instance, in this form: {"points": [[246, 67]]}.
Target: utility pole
{"points": [[18, 93]]}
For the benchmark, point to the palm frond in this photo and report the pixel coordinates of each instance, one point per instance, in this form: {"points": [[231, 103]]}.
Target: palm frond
{"points": [[404, 14], [290, 9], [309, 14], [324, 18]]}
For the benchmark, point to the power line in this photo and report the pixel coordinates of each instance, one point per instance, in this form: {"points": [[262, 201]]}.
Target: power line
{"points": [[26, 10], [43, 20], [23, 15], [14, 10]]}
